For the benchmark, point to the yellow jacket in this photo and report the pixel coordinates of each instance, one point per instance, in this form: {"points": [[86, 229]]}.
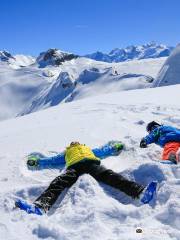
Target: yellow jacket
{"points": [[77, 153]]}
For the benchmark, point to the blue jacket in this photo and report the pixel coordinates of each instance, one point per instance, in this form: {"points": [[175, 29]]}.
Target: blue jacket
{"points": [[162, 135]]}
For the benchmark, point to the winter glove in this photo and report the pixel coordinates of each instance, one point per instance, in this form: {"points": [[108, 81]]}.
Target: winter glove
{"points": [[32, 162], [143, 144], [118, 146]]}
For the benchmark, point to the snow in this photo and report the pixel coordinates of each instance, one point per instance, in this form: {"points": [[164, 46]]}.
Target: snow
{"points": [[150, 50], [91, 210], [16, 61], [31, 88], [54, 57], [17, 88], [170, 71], [23, 60]]}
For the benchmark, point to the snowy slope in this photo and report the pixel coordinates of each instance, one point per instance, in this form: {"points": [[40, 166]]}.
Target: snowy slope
{"points": [[17, 88], [33, 88], [23, 60], [90, 210], [150, 50], [170, 71], [82, 77]]}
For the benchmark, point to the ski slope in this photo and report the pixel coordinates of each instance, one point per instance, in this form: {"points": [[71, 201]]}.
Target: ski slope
{"points": [[91, 210]]}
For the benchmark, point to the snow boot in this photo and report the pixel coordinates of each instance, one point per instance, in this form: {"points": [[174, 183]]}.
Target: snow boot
{"points": [[118, 146], [149, 192], [29, 208], [173, 158], [32, 161]]}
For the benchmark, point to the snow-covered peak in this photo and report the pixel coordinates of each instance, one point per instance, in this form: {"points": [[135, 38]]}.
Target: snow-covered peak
{"points": [[16, 61], [116, 51], [6, 56], [99, 56], [149, 50], [54, 57], [23, 60]]}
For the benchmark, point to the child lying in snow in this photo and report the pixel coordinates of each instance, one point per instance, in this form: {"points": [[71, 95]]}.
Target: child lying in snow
{"points": [[165, 136], [80, 159]]}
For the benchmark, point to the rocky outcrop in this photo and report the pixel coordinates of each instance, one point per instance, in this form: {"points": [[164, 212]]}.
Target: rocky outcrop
{"points": [[54, 57]]}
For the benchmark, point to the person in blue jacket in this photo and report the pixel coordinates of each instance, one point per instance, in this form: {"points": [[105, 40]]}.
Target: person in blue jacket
{"points": [[167, 137]]}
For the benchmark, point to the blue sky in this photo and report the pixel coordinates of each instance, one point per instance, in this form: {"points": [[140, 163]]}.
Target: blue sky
{"points": [[84, 26]]}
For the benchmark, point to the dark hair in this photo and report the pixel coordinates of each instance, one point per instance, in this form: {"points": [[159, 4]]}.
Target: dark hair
{"points": [[74, 143], [152, 125]]}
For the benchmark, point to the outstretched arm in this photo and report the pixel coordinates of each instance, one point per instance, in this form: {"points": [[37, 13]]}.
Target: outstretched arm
{"points": [[35, 163], [112, 148], [55, 161], [152, 137]]}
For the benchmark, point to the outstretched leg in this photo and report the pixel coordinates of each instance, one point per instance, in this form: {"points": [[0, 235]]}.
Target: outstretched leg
{"points": [[50, 195], [109, 177]]}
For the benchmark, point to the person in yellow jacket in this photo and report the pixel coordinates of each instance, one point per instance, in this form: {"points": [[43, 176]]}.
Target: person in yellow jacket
{"points": [[80, 159]]}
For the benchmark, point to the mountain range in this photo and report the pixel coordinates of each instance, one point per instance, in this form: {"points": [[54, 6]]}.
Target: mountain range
{"points": [[56, 57], [150, 50], [29, 84]]}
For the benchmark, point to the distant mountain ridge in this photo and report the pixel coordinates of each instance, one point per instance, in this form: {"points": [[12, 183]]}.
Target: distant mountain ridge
{"points": [[16, 61], [56, 57], [5, 56], [150, 50]]}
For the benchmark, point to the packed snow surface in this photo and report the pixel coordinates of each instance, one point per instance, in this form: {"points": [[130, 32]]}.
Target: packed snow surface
{"points": [[91, 210]]}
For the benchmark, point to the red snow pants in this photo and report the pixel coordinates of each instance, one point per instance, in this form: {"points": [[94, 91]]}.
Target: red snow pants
{"points": [[171, 147]]}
